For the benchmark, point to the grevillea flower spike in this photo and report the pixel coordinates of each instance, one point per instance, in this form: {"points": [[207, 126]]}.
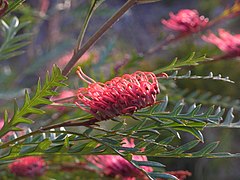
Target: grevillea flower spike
{"points": [[116, 166], [121, 95], [186, 21], [226, 42], [31, 166]]}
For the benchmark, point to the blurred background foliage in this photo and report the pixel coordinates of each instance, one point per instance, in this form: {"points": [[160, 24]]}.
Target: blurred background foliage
{"points": [[52, 33]]}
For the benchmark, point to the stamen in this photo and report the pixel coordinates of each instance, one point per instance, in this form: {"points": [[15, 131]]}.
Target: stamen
{"points": [[86, 78]]}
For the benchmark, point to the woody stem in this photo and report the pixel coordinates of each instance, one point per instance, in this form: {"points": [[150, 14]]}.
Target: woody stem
{"points": [[97, 35]]}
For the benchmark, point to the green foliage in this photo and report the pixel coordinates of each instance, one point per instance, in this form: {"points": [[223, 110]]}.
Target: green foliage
{"points": [[147, 132], [61, 142], [13, 41], [157, 129], [229, 121], [190, 61], [190, 120], [13, 5], [29, 107], [189, 75]]}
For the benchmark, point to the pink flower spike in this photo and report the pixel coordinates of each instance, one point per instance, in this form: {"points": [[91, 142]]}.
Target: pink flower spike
{"points": [[226, 42], [185, 21], [121, 95], [116, 166], [31, 166]]}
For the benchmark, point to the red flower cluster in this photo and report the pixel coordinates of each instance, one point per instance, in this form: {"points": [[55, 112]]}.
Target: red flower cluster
{"points": [[228, 43], [121, 95], [28, 166], [3, 7], [186, 21], [116, 166]]}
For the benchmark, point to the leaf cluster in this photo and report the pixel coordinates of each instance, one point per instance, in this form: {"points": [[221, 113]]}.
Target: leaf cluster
{"points": [[13, 41], [41, 97]]}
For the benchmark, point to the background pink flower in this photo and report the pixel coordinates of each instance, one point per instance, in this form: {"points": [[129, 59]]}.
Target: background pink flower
{"points": [[62, 61], [31, 166], [116, 166], [44, 5], [3, 7], [228, 43], [6, 136], [185, 21], [121, 95]]}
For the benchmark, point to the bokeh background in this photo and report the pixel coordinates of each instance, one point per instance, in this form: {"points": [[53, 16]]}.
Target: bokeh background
{"points": [[55, 25]]}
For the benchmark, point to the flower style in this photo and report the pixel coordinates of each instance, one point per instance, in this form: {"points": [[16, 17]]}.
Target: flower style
{"points": [[3, 7], [31, 166], [186, 21], [226, 42], [116, 166], [121, 95]]}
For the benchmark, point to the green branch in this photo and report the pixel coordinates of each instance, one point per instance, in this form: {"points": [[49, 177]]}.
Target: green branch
{"points": [[175, 65]]}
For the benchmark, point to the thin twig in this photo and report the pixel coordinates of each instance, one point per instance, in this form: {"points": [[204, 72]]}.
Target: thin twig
{"points": [[107, 25], [85, 25]]}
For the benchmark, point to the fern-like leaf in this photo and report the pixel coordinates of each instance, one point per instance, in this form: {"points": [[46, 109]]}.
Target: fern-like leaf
{"points": [[228, 122], [29, 106], [13, 42], [62, 141], [175, 65], [190, 119], [189, 75], [179, 115]]}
